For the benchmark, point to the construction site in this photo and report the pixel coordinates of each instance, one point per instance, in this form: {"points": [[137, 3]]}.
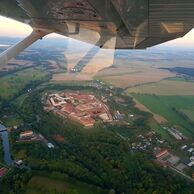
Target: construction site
{"points": [[83, 108]]}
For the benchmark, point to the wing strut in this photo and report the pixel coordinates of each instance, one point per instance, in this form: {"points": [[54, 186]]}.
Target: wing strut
{"points": [[20, 46]]}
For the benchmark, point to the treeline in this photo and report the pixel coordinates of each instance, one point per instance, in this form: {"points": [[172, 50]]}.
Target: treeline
{"points": [[15, 182]]}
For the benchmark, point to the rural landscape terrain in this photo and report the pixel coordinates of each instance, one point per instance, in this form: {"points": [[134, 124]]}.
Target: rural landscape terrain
{"points": [[80, 120]]}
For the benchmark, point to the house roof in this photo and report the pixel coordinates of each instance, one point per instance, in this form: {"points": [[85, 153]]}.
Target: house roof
{"points": [[3, 171]]}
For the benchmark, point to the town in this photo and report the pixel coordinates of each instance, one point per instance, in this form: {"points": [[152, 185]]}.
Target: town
{"points": [[83, 108]]}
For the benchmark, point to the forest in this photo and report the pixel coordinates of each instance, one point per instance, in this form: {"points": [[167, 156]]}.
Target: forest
{"points": [[97, 156]]}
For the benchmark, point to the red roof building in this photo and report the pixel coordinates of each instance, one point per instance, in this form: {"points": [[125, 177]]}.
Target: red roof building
{"points": [[26, 134], [3, 171], [81, 107], [68, 108], [161, 153], [58, 138]]}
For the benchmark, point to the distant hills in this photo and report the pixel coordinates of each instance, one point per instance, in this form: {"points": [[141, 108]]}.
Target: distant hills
{"points": [[162, 54]]}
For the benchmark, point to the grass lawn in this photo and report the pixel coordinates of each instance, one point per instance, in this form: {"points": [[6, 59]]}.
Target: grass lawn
{"points": [[189, 113], [11, 84], [164, 105], [158, 129], [45, 185], [19, 101]]}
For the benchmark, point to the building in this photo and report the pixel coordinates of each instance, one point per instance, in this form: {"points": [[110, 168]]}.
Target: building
{"points": [[190, 150], [26, 134], [175, 134], [50, 146], [58, 138], [190, 164], [104, 117], [160, 153], [3, 172], [80, 107], [183, 147], [18, 162]]}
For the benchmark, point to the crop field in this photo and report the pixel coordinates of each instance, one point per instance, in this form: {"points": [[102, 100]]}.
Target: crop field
{"points": [[68, 77], [40, 184], [135, 76], [119, 69], [11, 84], [14, 63], [167, 107], [165, 87], [93, 62]]}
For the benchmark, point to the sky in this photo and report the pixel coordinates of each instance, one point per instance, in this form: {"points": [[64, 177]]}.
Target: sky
{"points": [[12, 28]]}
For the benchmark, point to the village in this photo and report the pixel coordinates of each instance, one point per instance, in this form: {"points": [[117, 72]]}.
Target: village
{"points": [[83, 108], [180, 160]]}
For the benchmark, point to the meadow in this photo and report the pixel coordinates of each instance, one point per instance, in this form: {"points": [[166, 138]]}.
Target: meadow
{"points": [[41, 184], [189, 113], [13, 83], [169, 107]]}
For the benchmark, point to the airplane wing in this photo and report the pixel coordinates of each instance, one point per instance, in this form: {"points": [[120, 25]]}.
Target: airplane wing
{"points": [[115, 24]]}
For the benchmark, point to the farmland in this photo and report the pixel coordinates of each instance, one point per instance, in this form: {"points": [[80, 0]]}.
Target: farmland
{"points": [[90, 60], [11, 84], [134, 77], [165, 87], [169, 107], [69, 77], [156, 117], [189, 113]]}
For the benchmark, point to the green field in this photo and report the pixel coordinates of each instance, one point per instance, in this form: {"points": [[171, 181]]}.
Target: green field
{"points": [[189, 113], [159, 130], [18, 101], [166, 106], [44, 185], [11, 84], [12, 120], [181, 79]]}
